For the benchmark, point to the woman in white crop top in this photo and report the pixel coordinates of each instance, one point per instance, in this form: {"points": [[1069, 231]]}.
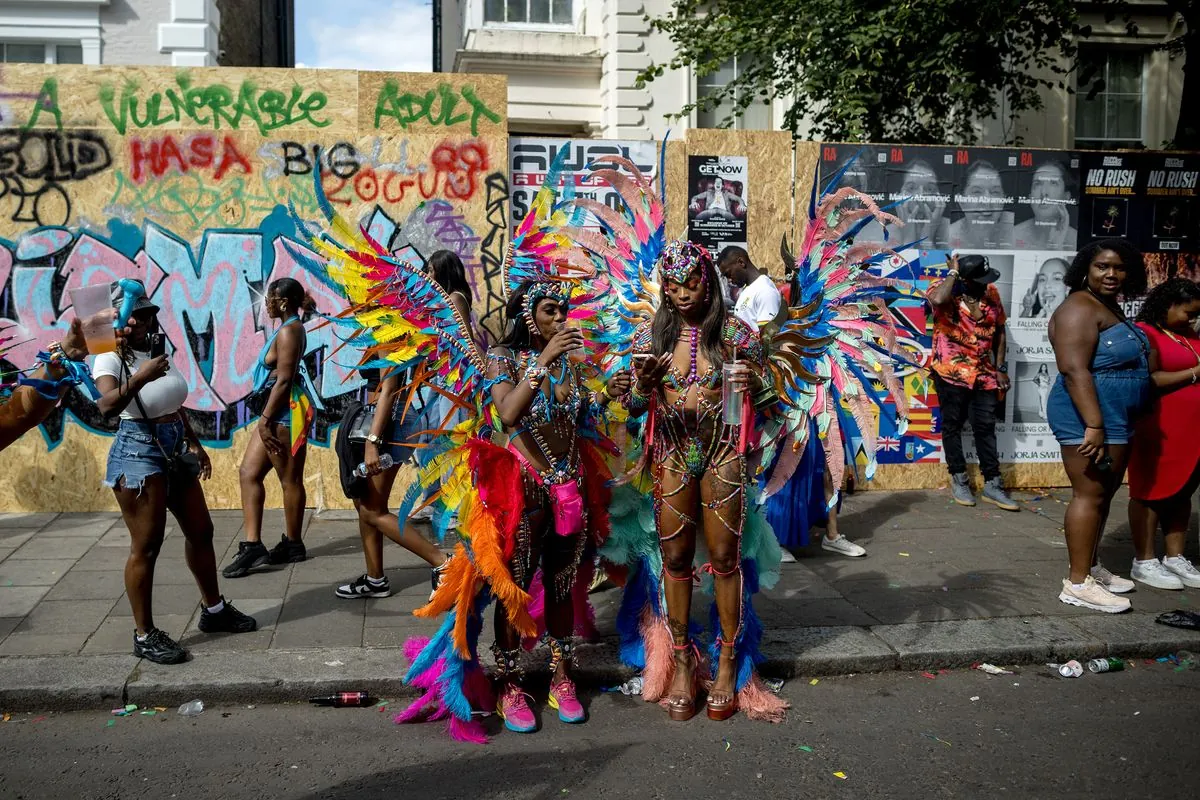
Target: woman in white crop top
{"points": [[155, 465]]}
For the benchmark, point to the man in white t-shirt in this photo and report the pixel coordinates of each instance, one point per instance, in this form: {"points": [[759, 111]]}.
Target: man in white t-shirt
{"points": [[758, 301]]}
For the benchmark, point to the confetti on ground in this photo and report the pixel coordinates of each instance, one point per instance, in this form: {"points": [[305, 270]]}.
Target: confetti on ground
{"points": [[149, 713], [43, 719], [929, 675], [975, 698], [131, 708], [805, 748], [161, 709], [936, 739], [111, 722], [727, 745], [814, 681], [904, 554], [1136, 713], [7, 717], [840, 775]]}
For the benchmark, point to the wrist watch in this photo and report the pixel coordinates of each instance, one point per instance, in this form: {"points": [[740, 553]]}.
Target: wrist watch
{"points": [[373, 439], [1003, 368]]}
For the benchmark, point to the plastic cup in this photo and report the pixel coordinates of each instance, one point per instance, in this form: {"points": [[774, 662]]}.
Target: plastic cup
{"points": [[731, 396], [93, 307]]}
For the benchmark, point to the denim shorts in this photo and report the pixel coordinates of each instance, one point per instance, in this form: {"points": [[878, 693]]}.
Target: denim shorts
{"points": [[135, 457]]}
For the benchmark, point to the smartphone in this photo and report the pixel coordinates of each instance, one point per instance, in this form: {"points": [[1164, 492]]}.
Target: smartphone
{"points": [[158, 345], [1104, 464]]}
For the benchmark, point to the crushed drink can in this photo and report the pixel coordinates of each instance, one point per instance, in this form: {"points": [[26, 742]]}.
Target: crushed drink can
{"points": [[1071, 669], [1106, 665]]}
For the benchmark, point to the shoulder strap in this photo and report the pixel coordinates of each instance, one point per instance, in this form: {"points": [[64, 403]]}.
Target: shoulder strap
{"points": [[142, 409]]}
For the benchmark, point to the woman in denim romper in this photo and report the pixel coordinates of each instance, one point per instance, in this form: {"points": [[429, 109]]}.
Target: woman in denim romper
{"points": [[149, 395], [1103, 384]]}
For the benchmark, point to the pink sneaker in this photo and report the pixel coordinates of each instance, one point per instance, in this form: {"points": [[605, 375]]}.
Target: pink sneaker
{"points": [[563, 699], [514, 709]]}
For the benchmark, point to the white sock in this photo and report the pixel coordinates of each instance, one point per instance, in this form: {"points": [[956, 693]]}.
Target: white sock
{"points": [[218, 608], [377, 581], [1078, 586], [141, 637], [1147, 561]]}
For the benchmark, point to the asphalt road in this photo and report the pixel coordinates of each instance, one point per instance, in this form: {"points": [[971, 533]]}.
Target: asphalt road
{"points": [[894, 735]]}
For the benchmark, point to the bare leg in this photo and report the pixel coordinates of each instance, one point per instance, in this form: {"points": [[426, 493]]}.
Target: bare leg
{"points": [[831, 526], [145, 513], [1143, 522], [722, 492], [676, 525], [290, 469], [373, 510], [255, 466], [1112, 479], [1091, 494], [372, 543], [190, 509]]}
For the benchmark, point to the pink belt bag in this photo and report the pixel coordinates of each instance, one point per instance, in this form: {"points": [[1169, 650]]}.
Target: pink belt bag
{"points": [[567, 503], [565, 500]]}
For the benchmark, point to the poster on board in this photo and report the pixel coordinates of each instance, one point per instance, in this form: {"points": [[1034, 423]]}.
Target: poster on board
{"points": [[717, 191], [529, 160]]}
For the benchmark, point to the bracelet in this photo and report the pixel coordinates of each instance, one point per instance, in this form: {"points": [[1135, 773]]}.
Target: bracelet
{"points": [[1093, 427], [534, 375], [604, 388]]}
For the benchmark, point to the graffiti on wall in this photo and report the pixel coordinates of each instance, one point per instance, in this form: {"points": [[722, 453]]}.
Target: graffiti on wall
{"points": [[211, 300]]}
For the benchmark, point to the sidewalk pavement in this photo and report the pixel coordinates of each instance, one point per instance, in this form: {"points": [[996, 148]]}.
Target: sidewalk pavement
{"points": [[942, 586]]}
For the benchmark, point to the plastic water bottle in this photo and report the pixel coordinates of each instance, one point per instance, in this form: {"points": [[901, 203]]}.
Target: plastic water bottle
{"points": [[385, 463], [191, 709]]}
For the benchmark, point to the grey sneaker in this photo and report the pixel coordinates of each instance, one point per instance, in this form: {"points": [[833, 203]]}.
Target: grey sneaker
{"points": [[994, 493], [960, 488]]}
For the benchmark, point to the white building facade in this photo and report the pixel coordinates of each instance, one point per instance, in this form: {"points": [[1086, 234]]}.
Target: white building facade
{"points": [[180, 33], [572, 67]]}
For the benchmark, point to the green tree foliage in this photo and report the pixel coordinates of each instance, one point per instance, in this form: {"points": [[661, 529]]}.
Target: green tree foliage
{"points": [[917, 71]]}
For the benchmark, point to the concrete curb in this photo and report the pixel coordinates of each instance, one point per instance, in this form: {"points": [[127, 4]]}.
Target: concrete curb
{"points": [[74, 683]]}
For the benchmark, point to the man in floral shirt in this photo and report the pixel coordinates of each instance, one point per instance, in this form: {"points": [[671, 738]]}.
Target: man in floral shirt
{"points": [[970, 371]]}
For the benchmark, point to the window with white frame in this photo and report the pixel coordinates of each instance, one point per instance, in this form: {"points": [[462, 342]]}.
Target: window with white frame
{"points": [[40, 53], [537, 12], [1110, 98], [756, 117]]}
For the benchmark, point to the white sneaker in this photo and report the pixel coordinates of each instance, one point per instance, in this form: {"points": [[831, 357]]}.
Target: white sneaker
{"points": [[786, 556], [1094, 596], [842, 546], [1184, 570], [1114, 583], [1155, 573]]}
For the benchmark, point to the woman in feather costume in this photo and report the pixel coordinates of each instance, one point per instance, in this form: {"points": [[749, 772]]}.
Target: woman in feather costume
{"points": [[830, 362], [698, 452]]}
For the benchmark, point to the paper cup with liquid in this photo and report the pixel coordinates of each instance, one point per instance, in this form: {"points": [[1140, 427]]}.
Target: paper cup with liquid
{"points": [[93, 307], [731, 395]]}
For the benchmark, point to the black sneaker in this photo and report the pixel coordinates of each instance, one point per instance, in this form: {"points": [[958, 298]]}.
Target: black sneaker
{"points": [[435, 575], [362, 586], [249, 556], [288, 552], [159, 648], [227, 620]]}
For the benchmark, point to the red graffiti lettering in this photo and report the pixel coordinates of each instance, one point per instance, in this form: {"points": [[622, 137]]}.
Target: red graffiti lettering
{"points": [[456, 170], [896, 156], [962, 157], [164, 155]]}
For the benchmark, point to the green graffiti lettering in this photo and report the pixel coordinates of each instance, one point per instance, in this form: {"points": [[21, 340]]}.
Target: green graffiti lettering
{"points": [[214, 105], [436, 107], [47, 100]]}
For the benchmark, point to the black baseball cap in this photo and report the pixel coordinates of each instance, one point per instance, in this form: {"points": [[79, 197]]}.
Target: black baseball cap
{"points": [[977, 270]]}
